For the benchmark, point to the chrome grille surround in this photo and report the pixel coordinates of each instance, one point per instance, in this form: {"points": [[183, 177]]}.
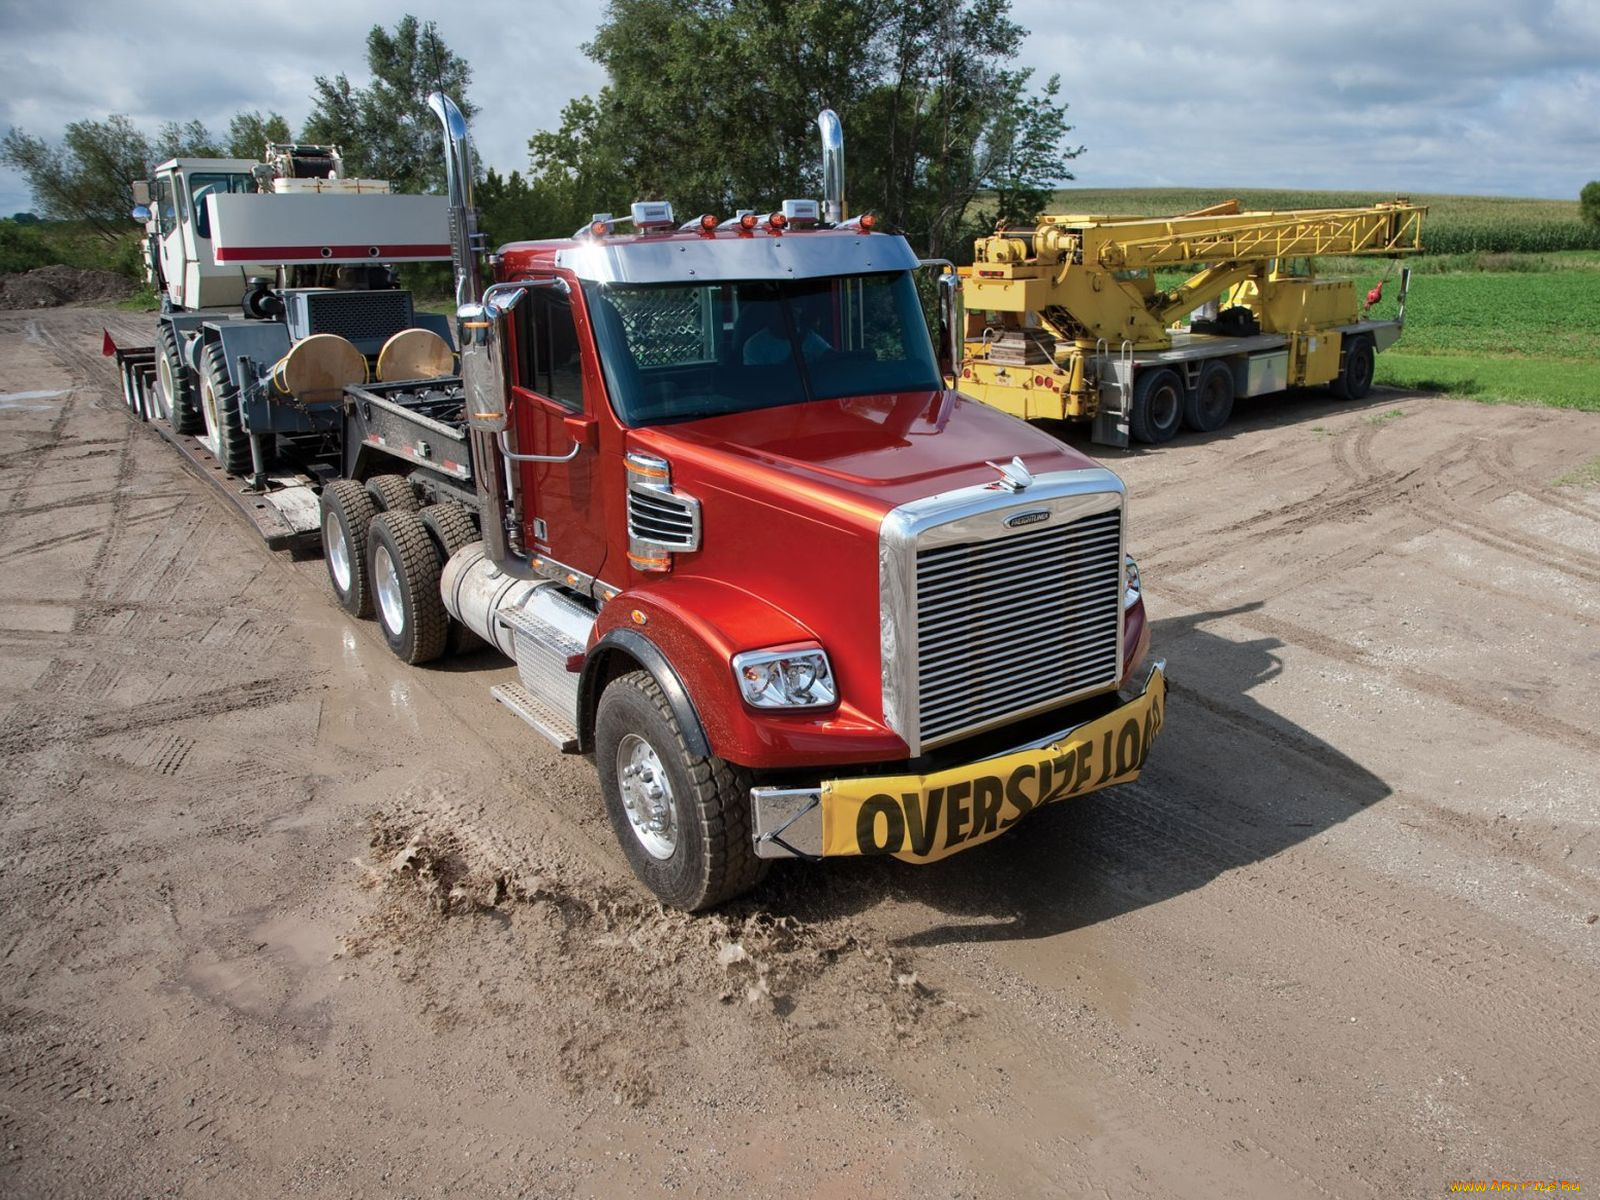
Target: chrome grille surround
{"points": [[976, 517]]}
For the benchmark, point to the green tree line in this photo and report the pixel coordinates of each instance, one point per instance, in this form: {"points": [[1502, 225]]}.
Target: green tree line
{"points": [[708, 103]]}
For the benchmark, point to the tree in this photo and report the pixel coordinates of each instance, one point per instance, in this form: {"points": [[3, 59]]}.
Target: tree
{"points": [[1589, 202], [249, 133], [385, 129], [709, 104]]}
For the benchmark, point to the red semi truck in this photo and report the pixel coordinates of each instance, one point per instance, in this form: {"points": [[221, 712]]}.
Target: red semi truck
{"points": [[707, 486]]}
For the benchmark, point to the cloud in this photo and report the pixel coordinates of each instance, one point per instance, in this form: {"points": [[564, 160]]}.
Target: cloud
{"points": [[1431, 95]]}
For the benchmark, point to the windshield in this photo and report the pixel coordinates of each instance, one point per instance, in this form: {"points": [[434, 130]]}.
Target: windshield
{"points": [[203, 184], [672, 352]]}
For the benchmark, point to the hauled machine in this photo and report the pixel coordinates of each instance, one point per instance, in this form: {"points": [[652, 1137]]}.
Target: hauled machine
{"points": [[277, 292], [707, 489], [1065, 321]]}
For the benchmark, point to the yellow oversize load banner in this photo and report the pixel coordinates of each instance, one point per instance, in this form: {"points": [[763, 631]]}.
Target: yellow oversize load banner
{"points": [[923, 818]]}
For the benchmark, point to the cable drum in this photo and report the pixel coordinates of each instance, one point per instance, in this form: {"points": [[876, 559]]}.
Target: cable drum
{"points": [[323, 362]]}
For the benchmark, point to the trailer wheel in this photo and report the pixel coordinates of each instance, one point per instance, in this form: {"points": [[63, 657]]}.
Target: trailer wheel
{"points": [[174, 387], [683, 819], [219, 405], [1157, 408], [1210, 405], [1354, 380], [347, 511], [393, 493], [452, 527], [403, 565]]}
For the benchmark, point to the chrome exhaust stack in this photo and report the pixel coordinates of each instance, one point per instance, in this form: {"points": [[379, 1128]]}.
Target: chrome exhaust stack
{"points": [[478, 333], [832, 166]]}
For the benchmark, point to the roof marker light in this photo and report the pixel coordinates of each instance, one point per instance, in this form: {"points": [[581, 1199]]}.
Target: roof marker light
{"points": [[777, 222], [708, 223], [748, 221]]}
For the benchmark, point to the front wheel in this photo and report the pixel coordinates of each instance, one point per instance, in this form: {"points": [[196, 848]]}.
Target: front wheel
{"points": [[1360, 364], [1157, 406], [683, 819]]}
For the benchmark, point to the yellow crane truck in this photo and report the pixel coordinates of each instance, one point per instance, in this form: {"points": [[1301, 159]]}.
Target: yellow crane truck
{"points": [[1065, 321]]}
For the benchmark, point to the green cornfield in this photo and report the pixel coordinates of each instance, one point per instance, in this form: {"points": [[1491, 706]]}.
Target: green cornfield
{"points": [[1454, 224]]}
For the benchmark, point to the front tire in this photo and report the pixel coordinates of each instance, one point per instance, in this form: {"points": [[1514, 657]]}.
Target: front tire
{"points": [[682, 819], [403, 565], [174, 386], [1355, 375], [219, 405], [1157, 406]]}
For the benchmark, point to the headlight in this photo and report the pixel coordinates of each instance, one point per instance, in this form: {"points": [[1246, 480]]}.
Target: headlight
{"points": [[1130, 597], [790, 677]]}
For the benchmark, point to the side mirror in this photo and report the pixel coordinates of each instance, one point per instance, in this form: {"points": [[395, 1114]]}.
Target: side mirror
{"points": [[141, 192], [140, 213]]}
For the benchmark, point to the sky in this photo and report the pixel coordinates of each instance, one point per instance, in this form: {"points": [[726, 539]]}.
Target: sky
{"points": [[1473, 96]]}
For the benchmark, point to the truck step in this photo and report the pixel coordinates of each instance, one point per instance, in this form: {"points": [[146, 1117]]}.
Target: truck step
{"points": [[555, 727]]}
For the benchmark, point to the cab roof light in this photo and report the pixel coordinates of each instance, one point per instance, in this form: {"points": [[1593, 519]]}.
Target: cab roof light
{"points": [[599, 226], [744, 219], [704, 223], [777, 222], [651, 215], [802, 214], [866, 222]]}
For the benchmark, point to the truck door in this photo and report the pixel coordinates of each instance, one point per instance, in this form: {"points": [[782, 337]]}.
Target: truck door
{"points": [[554, 414], [169, 239]]}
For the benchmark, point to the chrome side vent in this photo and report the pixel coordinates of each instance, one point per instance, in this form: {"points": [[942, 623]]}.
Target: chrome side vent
{"points": [[661, 521]]}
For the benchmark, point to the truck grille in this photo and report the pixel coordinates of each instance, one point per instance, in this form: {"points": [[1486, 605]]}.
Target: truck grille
{"points": [[1011, 625]]}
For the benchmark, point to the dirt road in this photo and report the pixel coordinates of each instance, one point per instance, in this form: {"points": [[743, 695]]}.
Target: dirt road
{"points": [[283, 916]]}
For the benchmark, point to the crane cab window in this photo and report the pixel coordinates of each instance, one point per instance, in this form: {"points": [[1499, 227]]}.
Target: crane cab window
{"points": [[166, 206], [547, 356], [204, 184]]}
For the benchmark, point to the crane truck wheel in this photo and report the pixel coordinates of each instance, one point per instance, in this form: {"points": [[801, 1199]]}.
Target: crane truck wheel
{"points": [[403, 565], [347, 512], [683, 819], [393, 493], [219, 406], [1209, 406], [452, 527], [174, 386], [1354, 380], [1157, 410]]}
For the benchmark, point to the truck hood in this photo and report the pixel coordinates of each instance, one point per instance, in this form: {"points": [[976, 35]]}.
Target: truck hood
{"points": [[872, 452]]}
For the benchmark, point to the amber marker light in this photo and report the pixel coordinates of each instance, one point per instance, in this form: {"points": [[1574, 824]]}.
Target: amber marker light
{"points": [[777, 222], [708, 223], [748, 222], [598, 229], [867, 222]]}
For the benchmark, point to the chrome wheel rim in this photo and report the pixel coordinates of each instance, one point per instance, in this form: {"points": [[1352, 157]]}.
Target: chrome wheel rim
{"points": [[647, 796], [386, 582], [338, 553]]}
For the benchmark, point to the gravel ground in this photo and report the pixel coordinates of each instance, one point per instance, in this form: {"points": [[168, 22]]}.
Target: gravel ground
{"points": [[286, 917]]}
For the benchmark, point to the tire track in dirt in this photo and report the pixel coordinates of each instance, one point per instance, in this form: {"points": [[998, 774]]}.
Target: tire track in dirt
{"points": [[1497, 463], [1440, 687]]}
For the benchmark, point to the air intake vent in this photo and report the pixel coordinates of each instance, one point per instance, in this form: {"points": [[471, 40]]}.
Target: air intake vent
{"points": [[669, 521]]}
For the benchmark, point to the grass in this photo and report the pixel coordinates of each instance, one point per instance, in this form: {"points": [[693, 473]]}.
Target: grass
{"points": [[1585, 476]]}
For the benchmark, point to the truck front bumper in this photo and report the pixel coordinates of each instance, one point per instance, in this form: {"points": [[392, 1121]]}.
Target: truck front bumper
{"points": [[923, 818]]}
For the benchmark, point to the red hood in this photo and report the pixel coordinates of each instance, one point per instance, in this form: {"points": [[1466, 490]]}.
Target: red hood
{"points": [[880, 451]]}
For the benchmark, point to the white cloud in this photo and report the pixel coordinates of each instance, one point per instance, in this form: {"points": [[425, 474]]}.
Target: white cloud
{"points": [[1430, 95]]}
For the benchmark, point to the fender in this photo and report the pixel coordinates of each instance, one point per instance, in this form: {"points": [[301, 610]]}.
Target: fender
{"points": [[649, 656], [697, 624]]}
